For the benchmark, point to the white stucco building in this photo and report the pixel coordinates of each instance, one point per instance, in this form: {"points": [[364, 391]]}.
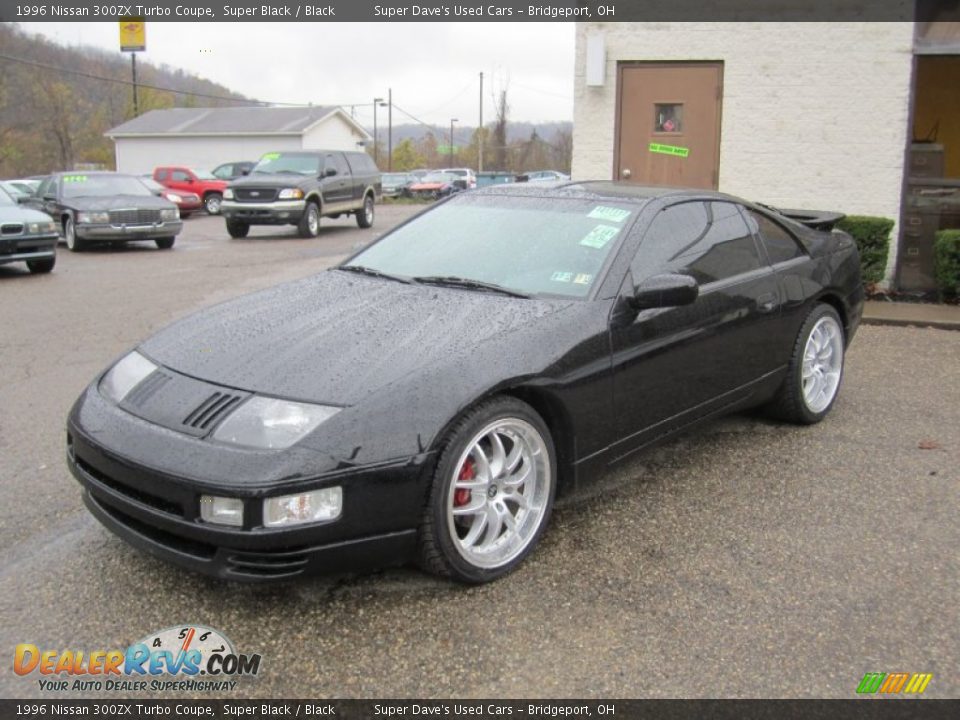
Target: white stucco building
{"points": [[203, 138], [799, 115]]}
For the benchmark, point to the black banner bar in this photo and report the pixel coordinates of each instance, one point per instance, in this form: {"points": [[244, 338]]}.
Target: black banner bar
{"points": [[476, 10], [861, 709]]}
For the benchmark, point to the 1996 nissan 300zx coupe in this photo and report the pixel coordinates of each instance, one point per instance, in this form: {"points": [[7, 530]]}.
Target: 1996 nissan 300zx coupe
{"points": [[427, 399]]}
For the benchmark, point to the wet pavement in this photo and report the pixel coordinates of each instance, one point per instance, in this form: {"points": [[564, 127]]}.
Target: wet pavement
{"points": [[751, 559]]}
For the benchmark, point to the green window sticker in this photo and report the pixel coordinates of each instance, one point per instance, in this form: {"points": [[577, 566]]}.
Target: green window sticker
{"points": [[562, 276], [610, 214], [600, 236], [269, 156], [669, 150], [582, 279], [74, 178]]}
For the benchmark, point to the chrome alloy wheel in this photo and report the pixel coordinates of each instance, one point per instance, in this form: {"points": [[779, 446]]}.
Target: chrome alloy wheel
{"points": [[822, 364], [313, 219], [500, 493], [368, 210]]}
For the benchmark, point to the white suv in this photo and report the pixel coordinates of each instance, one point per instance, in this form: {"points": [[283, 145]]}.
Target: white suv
{"points": [[466, 173]]}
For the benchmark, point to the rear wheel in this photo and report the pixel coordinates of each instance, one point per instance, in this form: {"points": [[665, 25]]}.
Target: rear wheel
{"points": [[365, 215], [211, 203], [492, 493], [42, 265], [309, 225], [815, 370], [165, 243], [74, 244], [237, 229]]}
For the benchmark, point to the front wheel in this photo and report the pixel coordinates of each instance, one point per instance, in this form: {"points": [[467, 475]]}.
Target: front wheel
{"points": [[309, 225], [211, 203], [365, 215], [74, 244], [492, 493], [165, 243], [237, 229], [815, 369]]}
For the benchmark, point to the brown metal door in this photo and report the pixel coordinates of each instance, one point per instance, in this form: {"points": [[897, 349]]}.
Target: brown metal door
{"points": [[668, 124]]}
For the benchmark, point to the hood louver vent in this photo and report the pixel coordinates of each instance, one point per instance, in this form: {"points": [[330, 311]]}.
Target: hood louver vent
{"points": [[147, 388], [207, 413]]}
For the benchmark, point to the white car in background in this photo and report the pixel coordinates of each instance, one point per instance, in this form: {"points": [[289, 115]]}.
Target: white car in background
{"points": [[466, 173]]}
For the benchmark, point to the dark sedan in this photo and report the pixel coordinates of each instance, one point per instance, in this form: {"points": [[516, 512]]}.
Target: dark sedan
{"points": [[427, 399], [26, 236], [106, 207]]}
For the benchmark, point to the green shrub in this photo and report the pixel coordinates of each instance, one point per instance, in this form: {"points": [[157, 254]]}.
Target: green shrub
{"points": [[946, 259], [872, 235]]}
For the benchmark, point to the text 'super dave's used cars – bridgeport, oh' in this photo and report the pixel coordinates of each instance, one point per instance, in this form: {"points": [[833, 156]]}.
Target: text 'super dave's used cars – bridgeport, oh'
{"points": [[426, 399]]}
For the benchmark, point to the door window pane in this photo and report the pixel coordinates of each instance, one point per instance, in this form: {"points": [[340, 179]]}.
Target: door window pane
{"points": [[668, 117], [180, 176], [707, 240]]}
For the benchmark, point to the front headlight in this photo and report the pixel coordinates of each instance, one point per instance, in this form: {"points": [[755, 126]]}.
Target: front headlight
{"points": [[43, 228], [315, 506], [93, 217], [125, 376], [170, 214], [228, 194], [290, 194], [272, 424], [173, 197]]}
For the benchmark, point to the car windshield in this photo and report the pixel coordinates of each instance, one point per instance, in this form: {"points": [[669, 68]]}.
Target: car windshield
{"points": [[204, 175], [152, 185], [394, 177], [531, 245], [296, 163], [101, 186]]}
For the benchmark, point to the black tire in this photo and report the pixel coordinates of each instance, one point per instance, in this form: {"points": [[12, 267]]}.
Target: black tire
{"points": [[211, 203], [365, 216], [165, 243], [439, 551], [309, 225], [74, 244], [789, 403], [184, 215], [237, 229], [41, 265]]}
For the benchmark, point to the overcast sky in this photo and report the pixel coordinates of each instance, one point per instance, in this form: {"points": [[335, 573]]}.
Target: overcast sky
{"points": [[433, 68]]}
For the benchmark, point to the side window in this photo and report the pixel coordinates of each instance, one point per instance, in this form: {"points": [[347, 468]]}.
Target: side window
{"points": [[162, 174], [707, 240], [47, 187], [180, 176], [781, 245], [343, 170]]}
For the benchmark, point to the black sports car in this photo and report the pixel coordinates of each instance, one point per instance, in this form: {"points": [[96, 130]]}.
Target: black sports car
{"points": [[428, 398], [106, 207]]}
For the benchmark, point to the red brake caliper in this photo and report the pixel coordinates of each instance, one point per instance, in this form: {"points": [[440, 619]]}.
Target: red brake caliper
{"points": [[468, 471]]}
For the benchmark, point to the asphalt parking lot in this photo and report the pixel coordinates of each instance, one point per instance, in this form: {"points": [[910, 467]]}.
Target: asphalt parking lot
{"points": [[749, 560]]}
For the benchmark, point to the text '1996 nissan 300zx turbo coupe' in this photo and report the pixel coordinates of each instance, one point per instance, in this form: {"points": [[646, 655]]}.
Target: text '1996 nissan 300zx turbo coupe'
{"points": [[428, 398]]}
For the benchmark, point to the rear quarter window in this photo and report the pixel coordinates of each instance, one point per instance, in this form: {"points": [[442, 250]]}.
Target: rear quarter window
{"points": [[781, 245]]}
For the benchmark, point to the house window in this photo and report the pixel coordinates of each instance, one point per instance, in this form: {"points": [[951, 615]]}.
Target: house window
{"points": [[668, 118]]}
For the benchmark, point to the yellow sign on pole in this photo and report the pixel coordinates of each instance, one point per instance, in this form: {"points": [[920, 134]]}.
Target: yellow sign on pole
{"points": [[133, 34]]}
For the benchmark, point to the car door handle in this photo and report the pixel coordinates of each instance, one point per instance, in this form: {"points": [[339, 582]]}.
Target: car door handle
{"points": [[767, 303]]}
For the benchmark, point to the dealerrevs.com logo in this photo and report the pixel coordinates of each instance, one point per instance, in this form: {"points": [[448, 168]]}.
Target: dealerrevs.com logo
{"points": [[188, 658]]}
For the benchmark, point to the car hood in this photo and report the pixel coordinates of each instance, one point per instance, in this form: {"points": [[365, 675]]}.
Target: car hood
{"points": [[337, 337], [21, 214], [280, 180], [116, 202]]}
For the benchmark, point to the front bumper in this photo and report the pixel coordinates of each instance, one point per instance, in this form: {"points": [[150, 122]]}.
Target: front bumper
{"points": [[123, 233], [29, 247], [158, 510], [284, 212]]}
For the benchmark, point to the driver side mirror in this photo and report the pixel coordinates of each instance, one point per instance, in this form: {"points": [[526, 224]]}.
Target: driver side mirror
{"points": [[668, 290], [329, 172]]}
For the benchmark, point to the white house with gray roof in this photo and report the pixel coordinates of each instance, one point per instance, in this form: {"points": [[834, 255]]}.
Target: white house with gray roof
{"points": [[202, 138]]}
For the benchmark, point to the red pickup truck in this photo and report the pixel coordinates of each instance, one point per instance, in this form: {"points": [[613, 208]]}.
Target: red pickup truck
{"points": [[200, 182]]}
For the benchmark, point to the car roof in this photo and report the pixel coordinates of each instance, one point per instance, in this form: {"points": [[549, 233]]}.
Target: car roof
{"points": [[601, 189]]}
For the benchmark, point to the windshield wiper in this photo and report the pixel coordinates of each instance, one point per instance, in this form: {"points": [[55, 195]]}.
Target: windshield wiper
{"points": [[364, 270], [454, 281]]}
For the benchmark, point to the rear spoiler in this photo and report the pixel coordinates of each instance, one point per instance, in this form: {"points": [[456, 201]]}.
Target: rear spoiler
{"points": [[823, 220]]}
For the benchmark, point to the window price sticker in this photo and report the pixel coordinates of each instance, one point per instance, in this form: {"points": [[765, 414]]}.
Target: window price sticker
{"points": [[610, 214], [600, 236]]}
